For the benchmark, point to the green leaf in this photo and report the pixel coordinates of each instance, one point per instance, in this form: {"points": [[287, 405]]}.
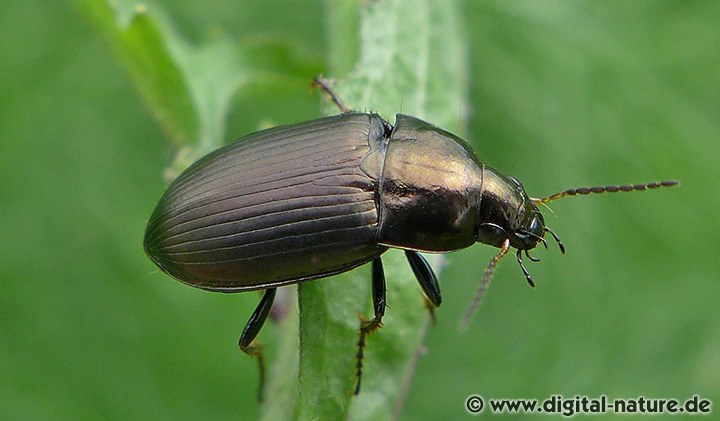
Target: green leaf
{"points": [[412, 58], [142, 43], [388, 56], [564, 93], [188, 88]]}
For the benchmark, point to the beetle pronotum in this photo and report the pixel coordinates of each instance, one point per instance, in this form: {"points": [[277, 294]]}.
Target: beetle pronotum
{"points": [[317, 198]]}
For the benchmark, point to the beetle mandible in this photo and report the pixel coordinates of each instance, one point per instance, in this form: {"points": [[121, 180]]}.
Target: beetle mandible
{"points": [[317, 198]]}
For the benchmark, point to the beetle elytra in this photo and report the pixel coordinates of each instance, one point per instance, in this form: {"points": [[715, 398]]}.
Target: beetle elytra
{"points": [[309, 200]]}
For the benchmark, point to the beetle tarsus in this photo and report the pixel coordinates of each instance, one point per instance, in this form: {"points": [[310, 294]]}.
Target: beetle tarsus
{"points": [[369, 326], [247, 341], [366, 327], [431, 310], [255, 350]]}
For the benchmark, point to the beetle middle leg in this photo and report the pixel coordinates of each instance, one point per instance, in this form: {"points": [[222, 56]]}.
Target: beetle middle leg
{"points": [[369, 326], [247, 341], [427, 280]]}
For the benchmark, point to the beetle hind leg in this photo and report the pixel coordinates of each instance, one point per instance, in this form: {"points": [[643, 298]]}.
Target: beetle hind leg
{"points": [[427, 279], [324, 85], [369, 326], [247, 341]]}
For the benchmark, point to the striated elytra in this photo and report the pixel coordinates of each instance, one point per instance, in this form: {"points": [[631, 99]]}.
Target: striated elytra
{"points": [[312, 199], [317, 198]]}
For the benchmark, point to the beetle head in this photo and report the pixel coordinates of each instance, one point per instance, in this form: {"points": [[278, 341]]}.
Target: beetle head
{"points": [[507, 212], [510, 218]]}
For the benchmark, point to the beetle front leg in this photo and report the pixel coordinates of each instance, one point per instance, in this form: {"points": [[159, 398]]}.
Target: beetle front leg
{"points": [[427, 280], [247, 341], [369, 326]]}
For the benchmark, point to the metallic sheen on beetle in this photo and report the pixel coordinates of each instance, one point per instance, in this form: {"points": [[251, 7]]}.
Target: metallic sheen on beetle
{"points": [[312, 199], [317, 198]]}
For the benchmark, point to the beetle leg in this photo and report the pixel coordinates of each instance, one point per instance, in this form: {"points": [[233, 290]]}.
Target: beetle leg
{"points": [[247, 343], [504, 249], [427, 280], [369, 326], [524, 269], [325, 86]]}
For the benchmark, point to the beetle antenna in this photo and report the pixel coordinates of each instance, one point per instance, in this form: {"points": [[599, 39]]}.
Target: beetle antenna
{"points": [[485, 283], [324, 85], [607, 189], [559, 241]]}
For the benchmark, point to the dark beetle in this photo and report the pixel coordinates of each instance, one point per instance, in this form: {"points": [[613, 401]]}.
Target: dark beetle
{"points": [[313, 199], [317, 198]]}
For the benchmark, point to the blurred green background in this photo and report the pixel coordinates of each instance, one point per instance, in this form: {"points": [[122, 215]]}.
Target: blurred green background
{"points": [[562, 94]]}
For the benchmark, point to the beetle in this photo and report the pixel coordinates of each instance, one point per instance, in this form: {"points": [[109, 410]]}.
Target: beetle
{"points": [[308, 200]]}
